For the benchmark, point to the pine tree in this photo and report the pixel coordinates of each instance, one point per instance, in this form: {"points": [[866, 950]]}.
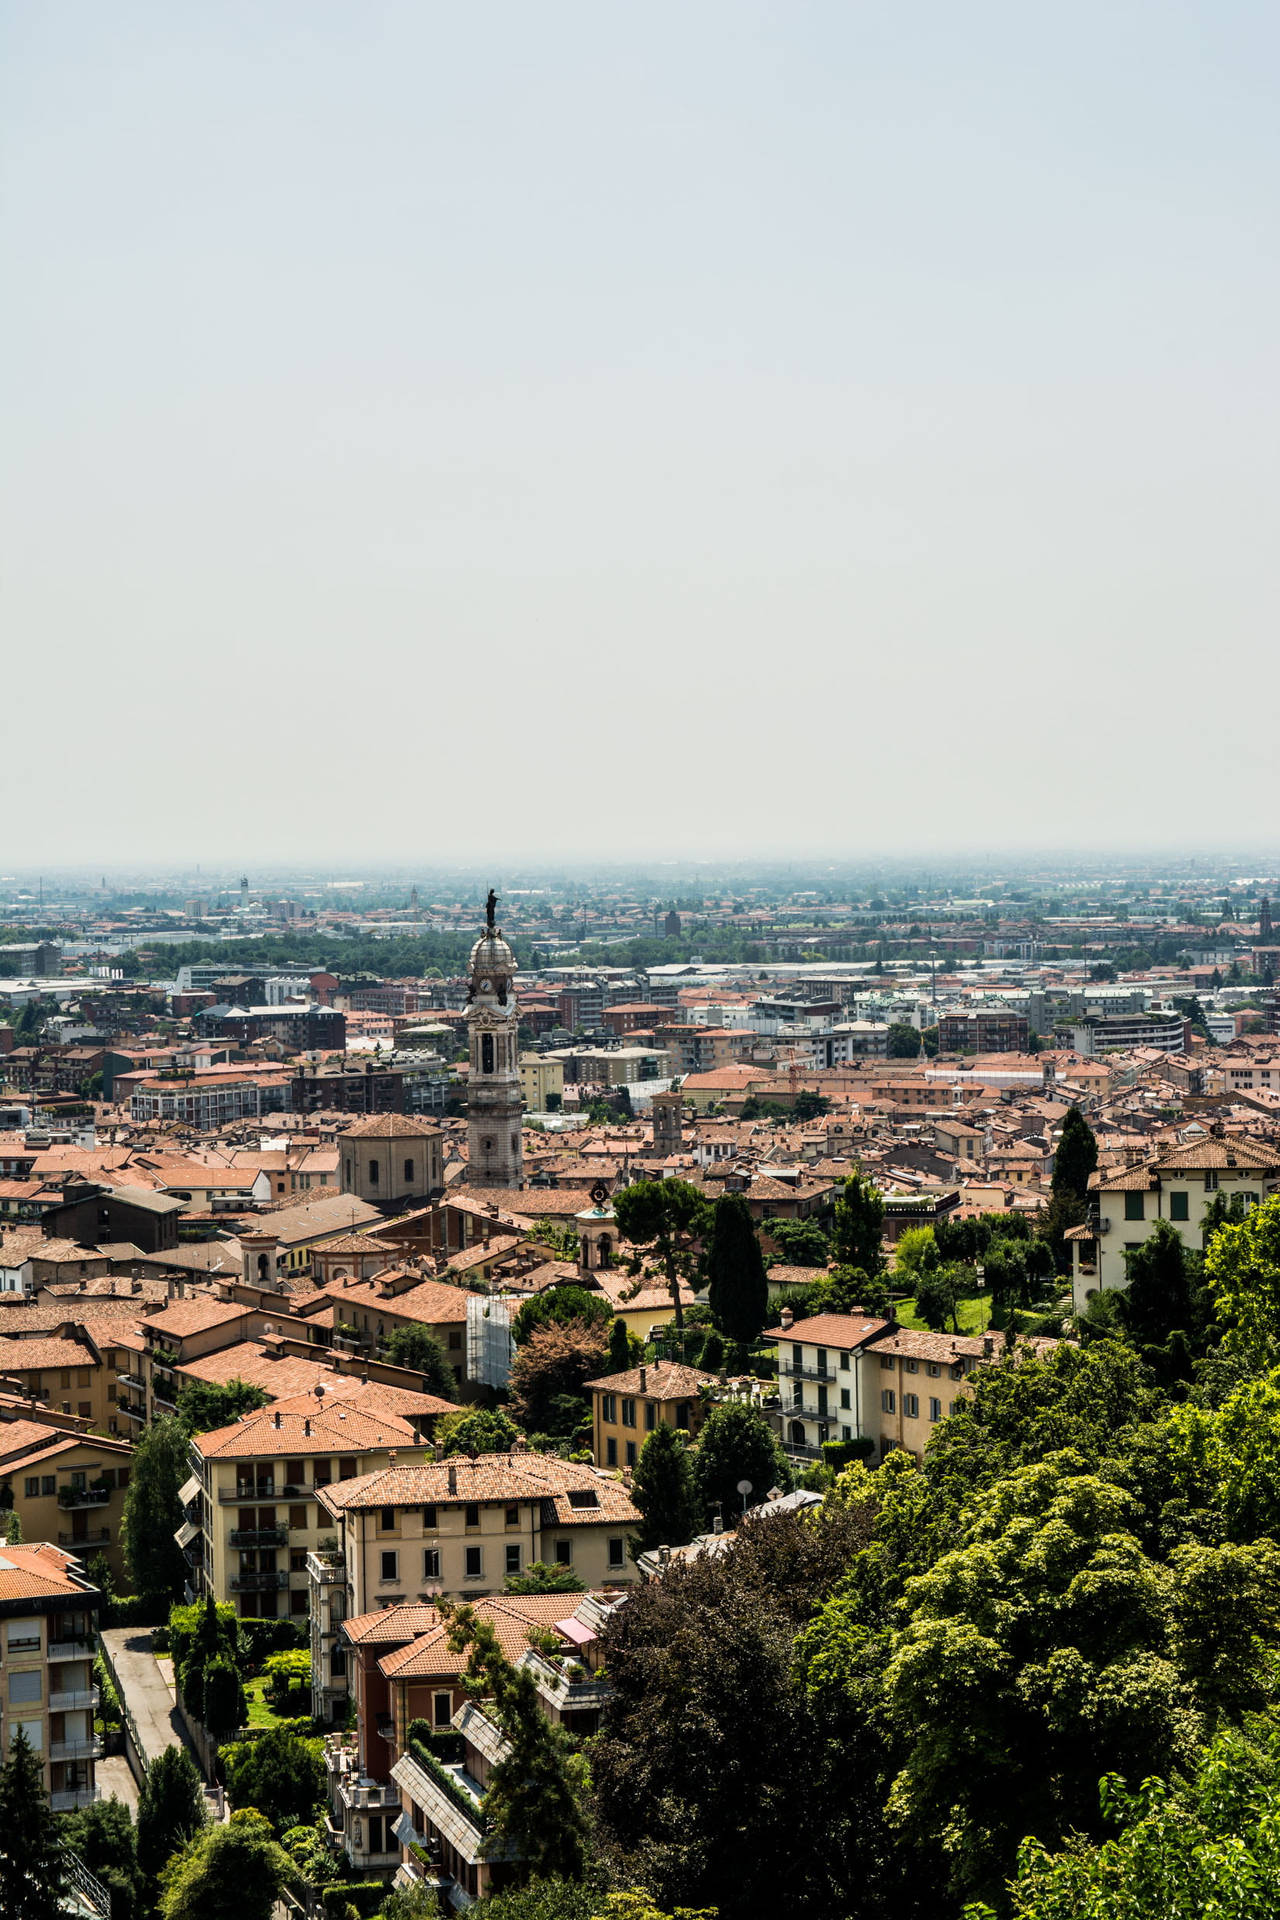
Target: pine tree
{"points": [[1076, 1156], [662, 1487], [171, 1808], [738, 1285], [32, 1861], [859, 1222], [619, 1348]]}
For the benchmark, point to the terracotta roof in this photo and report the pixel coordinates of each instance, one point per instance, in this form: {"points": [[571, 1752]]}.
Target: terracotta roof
{"points": [[27, 1356], [271, 1431], [491, 1478], [831, 1330], [512, 1617], [391, 1126], [430, 1301], [663, 1380], [181, 1317], [29, 1572]]}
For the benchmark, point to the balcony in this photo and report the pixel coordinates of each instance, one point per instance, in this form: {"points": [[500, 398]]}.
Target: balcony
{"points": [[453, 1803], [329, 1569], [74, 1798], [258, 1582], [247, 1495], [84, 1747], [570, 1691], [73, 1647], [99, 1537], [74, 1702], [131, 1413], [132, 1380], [259, 1537], [791, 1371], [83, 1496]]}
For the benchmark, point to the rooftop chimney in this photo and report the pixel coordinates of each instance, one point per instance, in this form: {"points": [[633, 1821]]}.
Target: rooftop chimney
{"points": [[644, 1379], [988, 1346], [787, 1319], [453, 1480], [277, 1416], [306, 1427]]}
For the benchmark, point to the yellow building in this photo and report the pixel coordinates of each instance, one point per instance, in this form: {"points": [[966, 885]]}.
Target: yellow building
{"points": [[626, 1408], [254, 1500], [47, 1615], [540, 1075], [66, 1370], [462, 1527], [66, 1487]]}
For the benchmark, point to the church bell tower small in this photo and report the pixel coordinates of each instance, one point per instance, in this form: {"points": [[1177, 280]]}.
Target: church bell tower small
{"points": [[494, 1102]]}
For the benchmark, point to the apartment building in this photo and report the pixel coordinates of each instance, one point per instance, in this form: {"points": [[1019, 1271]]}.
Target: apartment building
{"points": [[367, 1312], [461, 1527], [1177, 1184], [983, 1030], [48, 1612], [254, 1499], [541, 1080], [208, 1100], [627, 1407], [66, 1369], [66, 1487]]}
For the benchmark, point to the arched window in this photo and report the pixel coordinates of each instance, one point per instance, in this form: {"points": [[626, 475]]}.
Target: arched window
{"points": [[604, 1250], [486, 1053], [797, 1433], [373, 1173]]}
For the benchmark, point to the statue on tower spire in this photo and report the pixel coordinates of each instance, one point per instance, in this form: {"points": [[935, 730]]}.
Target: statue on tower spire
{"points": [[490, 908]]}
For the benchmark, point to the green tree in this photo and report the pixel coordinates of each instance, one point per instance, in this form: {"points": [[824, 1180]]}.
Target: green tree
{"points": [[915, 1254], [171, 1808], [560, 1307], [153, 1512], [664, 1489], [536, 1791], [418, 1349], [550, 1372], [622, 1346], [671, 1217], [859, 1224], [280, 1774], [809, 1105], [1165, 1295], [1242, 1266], [936, 1298], [482, 1430], [1075, 1158], [904, 1041], [102, 1836], [736, 1444], [204, 1405], [225, 1706], [540, 1577], [801, 1242], [236, 1872], [32, 1858], [738, 1287]]}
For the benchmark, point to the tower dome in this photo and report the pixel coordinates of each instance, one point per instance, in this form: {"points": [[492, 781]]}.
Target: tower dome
{"points": [[492, 956]]}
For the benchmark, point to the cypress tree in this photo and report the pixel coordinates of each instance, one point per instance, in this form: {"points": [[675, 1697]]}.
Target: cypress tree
{"points": [[738, 1286], [170, 1808], [619, 1348], [662, 1487]]}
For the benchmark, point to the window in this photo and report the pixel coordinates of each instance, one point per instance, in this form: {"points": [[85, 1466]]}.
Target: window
{"points": [[912, 1366], [31, 1487], [65, 1378], [845, 1398], [347, 1469], [886, 1364], [1135, 1205], [24, 1688], [513, 1557], [486, 1053], [429, 1517], [682, 1413], [957, 1372], [408, 1171], [797, 1356], [1211, 1183], [650, 1416], [373, 1173], [441, 1709], [513, 1516], [387, 1520], [474, 1563], [564, 1553], [631, 1453], [390, 1566], [455, 1343], [933, 1369], [844, 1363], [935, 1409], [298, 1598], [628, 1413], [471, 1515], [911, 1405], [608, 1408], [887, 1402], [298, 1560], [1179, 1206], [82, 1377], [298, 1518], [431, 1563]]}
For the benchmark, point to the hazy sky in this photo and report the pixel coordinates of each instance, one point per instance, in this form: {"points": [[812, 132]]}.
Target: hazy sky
{"points": [[715, 427]]}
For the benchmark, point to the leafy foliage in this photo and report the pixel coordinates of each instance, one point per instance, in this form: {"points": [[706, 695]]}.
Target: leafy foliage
{"points": [[171, 1808], [418, 1349], [32, 1867], [672, 1217], [152, 1511], [549, 1373], [482, 1430], [859, 1224], [560, 1307], [736, 1444], [664, 1489], [539, 1577], [279, 1773], [204, 1405], [738, 1287], [235, 1872]]}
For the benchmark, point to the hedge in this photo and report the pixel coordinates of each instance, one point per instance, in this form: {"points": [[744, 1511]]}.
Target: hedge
{"points": [[366, 1896]]}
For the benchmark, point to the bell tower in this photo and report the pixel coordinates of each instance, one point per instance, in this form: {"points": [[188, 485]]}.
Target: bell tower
{"points": [[494, 1103]]}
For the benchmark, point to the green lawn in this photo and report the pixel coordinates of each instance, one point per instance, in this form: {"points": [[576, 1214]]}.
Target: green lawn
{"points": [[261, 1712], [974, 1315]]}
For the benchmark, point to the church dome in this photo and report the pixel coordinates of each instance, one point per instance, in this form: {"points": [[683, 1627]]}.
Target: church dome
{"points": [[491, 957]]}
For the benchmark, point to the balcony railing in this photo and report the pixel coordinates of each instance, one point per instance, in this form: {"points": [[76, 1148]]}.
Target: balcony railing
{"points": [[74, 1798], [375, 1794], [258, 1537], [569, 1691], [130, 1413], [258, 1582], [83, 1496], [792, 1371], [254, 1494], [330, 1569], [100, 1537], [134, 1380], [83, 1748], [73, 1702], [70, 1647]]}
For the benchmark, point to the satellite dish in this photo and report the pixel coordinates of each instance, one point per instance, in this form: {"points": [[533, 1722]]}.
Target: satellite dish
{"points": [[744, 1487]]}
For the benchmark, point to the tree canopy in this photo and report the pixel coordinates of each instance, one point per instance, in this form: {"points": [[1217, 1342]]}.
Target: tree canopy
{"points": [[153, 1512], [672, 1217], [738, 1288]]}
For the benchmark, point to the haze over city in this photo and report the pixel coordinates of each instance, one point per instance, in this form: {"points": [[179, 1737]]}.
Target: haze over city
{"points": [[729, 429]]}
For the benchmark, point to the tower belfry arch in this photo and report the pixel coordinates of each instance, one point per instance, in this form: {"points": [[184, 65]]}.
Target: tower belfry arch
{"points": [[494, 1102]]}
